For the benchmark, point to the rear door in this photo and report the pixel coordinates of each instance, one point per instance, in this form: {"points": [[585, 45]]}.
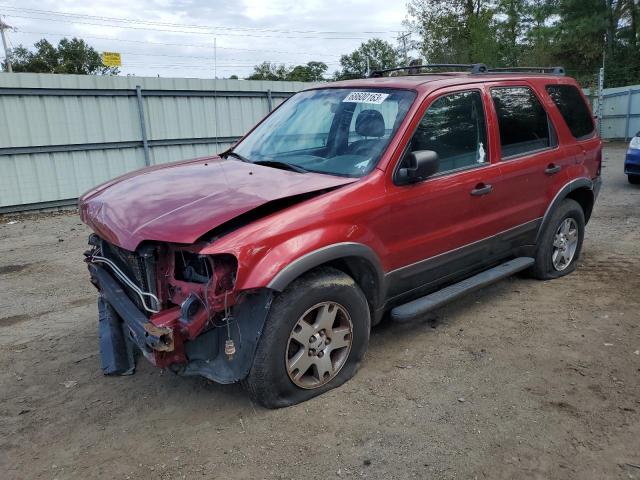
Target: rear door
{"points": [[531, 161]]}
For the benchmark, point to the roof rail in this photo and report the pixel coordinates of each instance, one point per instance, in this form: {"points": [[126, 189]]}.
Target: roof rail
{"points": [[551, 70], [414, 69]]}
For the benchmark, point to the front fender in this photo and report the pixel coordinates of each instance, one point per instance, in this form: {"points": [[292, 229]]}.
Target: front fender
{"points": [[285, 262]]}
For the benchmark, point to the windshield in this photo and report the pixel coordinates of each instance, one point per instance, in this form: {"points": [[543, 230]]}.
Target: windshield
{"points": [[338, 131]]}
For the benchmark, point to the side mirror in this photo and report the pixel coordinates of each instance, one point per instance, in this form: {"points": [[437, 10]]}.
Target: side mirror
{"points": [[421, 164]]}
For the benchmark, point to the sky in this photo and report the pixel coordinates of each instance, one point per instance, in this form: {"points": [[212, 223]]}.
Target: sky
{"points": [[175, 38]]}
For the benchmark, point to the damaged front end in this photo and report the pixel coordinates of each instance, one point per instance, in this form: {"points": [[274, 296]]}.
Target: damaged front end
{"points": [[178, 307]]}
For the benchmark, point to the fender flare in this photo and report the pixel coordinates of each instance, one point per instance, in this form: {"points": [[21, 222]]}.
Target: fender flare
{"points": [[560, 196], [326, 254]]}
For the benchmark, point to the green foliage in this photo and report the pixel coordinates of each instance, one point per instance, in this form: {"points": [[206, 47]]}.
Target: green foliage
{"points": [[311, 72], [269, 71], [70, 56], [573, 33], [457, 31], [374, 54]]}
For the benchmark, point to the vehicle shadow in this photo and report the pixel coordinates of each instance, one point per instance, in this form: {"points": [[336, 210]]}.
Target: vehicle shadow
{"points": [[452, 314]]}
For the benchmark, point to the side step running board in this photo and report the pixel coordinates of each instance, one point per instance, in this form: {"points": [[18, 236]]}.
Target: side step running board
{"points": [[417, 308]]}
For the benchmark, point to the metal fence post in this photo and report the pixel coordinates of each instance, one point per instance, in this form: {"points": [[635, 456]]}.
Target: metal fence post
{"points": [[143, 126], [626, 127], [269, 100]]}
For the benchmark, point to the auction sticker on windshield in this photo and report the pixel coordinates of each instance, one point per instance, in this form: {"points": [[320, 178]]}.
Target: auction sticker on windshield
{"points": [[366, 97]]}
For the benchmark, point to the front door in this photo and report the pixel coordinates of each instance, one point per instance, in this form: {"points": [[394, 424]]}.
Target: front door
{"points": [[433, 228]]}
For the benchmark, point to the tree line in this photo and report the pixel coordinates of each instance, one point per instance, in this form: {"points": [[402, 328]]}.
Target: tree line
{"points": [[581, 35]]}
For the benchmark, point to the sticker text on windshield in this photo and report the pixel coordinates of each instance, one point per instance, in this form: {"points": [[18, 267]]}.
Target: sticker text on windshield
{"points": [[366, 97]]}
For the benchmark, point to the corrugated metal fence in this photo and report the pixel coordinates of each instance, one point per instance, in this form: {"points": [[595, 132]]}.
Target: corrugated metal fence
{"points": [[620, 115], [62, 134]]}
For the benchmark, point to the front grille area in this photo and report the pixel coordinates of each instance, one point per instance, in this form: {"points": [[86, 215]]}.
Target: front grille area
{"points": [[139, 268]]}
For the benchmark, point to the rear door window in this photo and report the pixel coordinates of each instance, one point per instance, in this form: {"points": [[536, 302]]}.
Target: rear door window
{"points": [[522, 120], [573, 109]]}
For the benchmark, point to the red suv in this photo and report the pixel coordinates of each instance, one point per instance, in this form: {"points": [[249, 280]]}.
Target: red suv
{"points": [[394, 194]]}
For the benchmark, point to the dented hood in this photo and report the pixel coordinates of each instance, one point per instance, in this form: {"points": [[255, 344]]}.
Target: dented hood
{"points": [[180, 202]]}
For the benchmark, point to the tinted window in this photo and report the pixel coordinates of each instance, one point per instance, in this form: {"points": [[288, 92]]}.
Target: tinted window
{"points": [[573, 109], [523, 122], [454, 127]]}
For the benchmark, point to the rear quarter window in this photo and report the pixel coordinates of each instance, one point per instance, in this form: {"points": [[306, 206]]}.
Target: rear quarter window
{"points": [[573, 109]]}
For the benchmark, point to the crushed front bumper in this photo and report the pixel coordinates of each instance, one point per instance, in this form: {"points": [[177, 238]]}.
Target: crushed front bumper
{"points": [[147, 336], [126, 327], [122, 326]]}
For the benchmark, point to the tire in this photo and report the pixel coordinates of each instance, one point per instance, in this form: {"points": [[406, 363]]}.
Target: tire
{"points": [[296, 310], [634, 179], [546, 266]]}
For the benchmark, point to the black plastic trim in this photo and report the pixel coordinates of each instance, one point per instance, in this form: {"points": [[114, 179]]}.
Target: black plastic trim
{"points": [[326, 254], [206, 353], [432, 273], [560, 196]]}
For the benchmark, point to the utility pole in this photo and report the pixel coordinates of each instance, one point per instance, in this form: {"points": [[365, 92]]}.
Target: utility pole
{"points": [[7, 52], [403, 38]]}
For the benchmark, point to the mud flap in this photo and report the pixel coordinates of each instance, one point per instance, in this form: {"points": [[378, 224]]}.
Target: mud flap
{"points": [[116, 348]]}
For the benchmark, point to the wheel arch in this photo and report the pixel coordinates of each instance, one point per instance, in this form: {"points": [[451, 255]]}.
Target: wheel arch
{"points": [[580, 190], [355, 259], [585, 197]]}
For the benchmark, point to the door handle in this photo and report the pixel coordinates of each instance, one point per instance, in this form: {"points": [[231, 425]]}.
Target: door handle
{"points": [[552, 168], [482, 189]]}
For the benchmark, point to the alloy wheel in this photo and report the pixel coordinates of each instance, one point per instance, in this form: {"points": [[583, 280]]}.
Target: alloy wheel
{"points": [[319, 345], [565, 244]]}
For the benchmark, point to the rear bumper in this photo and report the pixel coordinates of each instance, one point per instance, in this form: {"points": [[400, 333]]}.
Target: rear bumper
{"points": [[632, 162]]}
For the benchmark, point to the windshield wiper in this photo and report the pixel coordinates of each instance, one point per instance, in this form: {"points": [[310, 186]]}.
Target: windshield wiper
{"points": [[283, 165], [238, 156]]}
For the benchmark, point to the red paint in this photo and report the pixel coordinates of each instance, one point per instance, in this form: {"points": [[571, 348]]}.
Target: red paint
{"points": [[402, 224]]}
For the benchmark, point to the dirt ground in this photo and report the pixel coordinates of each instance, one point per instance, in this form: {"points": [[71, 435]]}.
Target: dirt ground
{"points": [[525, 379]]}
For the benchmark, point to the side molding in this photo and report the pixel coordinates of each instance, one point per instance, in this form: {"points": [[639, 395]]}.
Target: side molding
{"points": [[561, 195], [326, 254]]}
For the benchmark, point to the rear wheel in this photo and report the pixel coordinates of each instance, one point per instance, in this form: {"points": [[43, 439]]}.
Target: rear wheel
{"points": [[634, 179], [314, 339], [560, 242]]}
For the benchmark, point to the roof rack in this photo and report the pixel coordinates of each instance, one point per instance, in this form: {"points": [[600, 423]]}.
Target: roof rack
{"points": [[474, 68], [415, 69], [551, 70]]}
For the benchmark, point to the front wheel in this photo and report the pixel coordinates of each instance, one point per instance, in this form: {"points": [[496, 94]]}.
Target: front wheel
{"points": [[560, 242], [314, 339], [634, 179]]}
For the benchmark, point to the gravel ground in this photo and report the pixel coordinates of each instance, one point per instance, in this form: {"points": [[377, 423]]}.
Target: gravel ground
{"points": [[525, 379]]}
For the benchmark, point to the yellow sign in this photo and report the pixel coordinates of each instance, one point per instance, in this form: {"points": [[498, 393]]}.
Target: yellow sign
{"points": [[111, 59]]}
